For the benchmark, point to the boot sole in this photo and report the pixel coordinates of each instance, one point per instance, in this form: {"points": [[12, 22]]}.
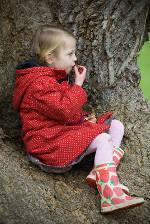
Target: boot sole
{"points": [[128, 204]]}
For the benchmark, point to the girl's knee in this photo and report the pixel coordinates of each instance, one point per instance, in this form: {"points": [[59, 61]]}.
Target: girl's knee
{"points": [[105, 136], [118, 124]]}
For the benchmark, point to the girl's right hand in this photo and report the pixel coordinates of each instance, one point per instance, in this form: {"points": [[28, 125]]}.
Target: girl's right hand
{"points": [[80, 74]]}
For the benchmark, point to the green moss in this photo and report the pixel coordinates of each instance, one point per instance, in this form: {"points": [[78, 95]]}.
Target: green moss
{"points": [[144, 65]]}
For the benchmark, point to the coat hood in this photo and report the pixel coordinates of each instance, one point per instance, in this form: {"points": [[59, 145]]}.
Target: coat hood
{"points": [[29, 71]]}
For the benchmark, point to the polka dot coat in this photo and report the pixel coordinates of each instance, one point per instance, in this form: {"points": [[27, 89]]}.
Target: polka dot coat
{"points": [[51, 115]]}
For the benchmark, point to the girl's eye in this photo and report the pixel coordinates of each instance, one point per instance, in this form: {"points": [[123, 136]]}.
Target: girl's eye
{"points": [[70, 54]]}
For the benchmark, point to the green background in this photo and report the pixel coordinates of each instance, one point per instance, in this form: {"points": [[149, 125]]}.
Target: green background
{"points": [[144, 66]]}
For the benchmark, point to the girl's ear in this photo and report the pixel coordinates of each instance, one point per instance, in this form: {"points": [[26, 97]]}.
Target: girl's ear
{"points": [[49, 58]]}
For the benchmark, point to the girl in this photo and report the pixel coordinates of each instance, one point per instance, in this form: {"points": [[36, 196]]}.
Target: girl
{"points": [[56, 131]]}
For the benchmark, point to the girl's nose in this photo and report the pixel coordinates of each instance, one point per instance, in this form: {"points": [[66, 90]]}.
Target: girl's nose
{"points": [[75, 58]]}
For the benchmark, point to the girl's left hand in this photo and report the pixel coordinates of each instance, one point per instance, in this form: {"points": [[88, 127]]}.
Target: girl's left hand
{"points": [[93, 120]]}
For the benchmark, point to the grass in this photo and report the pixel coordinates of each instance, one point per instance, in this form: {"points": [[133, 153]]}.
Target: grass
{"points": [[144, 66]]}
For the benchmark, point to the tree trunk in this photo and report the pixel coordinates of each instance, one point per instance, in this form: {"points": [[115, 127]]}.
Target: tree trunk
{"points": [[109, 35]]}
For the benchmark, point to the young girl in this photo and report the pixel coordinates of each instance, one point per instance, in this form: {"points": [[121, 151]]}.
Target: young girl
{"points": [[56, 131]]}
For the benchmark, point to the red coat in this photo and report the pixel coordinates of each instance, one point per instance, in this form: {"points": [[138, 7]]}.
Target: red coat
{"points": [[51, 116]]}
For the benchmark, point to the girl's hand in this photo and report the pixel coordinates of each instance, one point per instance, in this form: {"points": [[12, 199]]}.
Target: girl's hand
{"points": [[93, 120], [80, 74]]}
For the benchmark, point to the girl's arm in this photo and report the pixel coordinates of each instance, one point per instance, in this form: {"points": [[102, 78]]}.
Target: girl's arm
{"points": [[59, 102]]}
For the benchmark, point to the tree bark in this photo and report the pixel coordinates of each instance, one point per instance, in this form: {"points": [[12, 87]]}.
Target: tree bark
{"points": [[109, 36]]}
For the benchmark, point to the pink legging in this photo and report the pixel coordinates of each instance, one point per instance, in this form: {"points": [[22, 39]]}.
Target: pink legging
{"points": [[103, 143]]}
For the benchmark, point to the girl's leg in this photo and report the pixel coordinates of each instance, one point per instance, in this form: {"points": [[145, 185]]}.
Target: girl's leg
{"points": [[112, 196], [102, 144], [116, 131], [104, 151]]}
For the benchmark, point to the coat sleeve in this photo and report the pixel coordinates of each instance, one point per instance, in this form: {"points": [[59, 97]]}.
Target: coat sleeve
{"points": [[58, 102]]}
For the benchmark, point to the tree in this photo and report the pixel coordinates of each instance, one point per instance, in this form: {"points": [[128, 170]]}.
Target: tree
{"points": [[109, 35]]}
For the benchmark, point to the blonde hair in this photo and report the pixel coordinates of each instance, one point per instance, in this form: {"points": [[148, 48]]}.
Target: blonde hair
{"points": [[49, 39]]}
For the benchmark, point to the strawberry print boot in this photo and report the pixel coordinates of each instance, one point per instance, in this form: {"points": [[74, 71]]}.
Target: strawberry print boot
{"points": [[117, 155], [91, 179], [111, 194]]}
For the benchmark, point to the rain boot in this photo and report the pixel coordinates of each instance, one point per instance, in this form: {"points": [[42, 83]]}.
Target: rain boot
{"points": [[113, 198], [117, 155]]}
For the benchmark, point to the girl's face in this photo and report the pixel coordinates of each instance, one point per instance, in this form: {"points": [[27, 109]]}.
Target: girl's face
{"points": [[66, 57]]}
